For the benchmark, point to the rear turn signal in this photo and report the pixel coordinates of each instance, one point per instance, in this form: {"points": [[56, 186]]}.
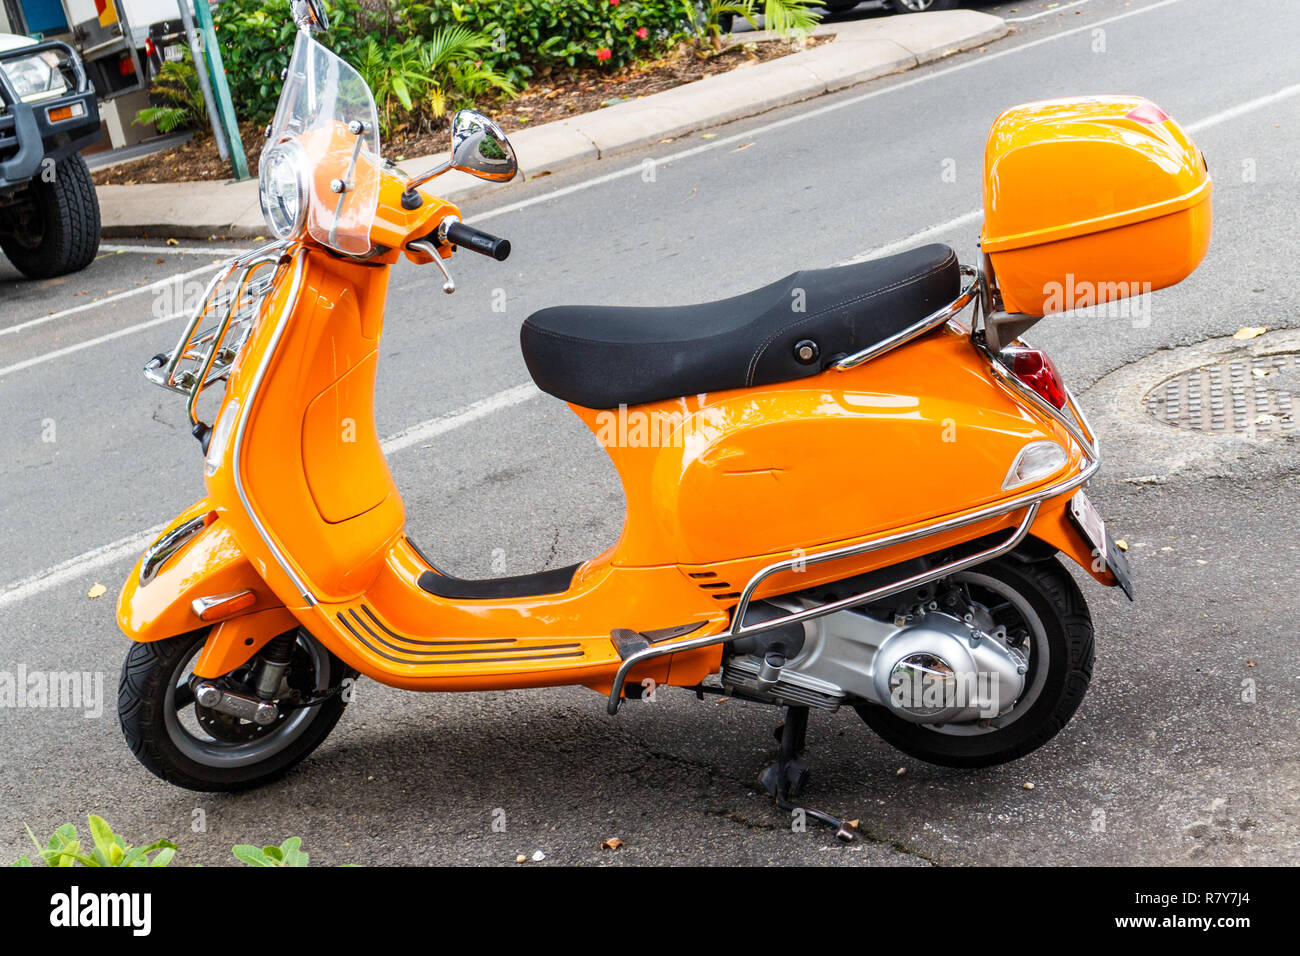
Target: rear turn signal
{"points": [[1036, 370]]}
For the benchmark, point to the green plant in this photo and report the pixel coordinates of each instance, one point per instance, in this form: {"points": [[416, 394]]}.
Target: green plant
{"points": [[182, 106], [286, 854], [422, 77], [787, 18], [529, 34], [64, 848]]}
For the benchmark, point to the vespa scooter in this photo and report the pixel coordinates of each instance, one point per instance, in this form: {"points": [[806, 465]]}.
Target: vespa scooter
{"points": [[862, 501]]}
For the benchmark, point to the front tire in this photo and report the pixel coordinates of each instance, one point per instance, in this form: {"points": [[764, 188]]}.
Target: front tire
{"points": [[186, 744], [1058, 628], [54, 230]]}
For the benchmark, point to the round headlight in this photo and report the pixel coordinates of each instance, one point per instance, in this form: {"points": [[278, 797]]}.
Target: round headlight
{"points": [[282, 189]]}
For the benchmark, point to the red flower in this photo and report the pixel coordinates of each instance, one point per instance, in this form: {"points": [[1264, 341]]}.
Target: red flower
{"points": [[603, 54], [613, 3], [643, 33]]}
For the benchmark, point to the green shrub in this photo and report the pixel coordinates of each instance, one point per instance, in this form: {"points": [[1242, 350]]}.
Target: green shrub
{"points": [[527, 34], [179, 98]]}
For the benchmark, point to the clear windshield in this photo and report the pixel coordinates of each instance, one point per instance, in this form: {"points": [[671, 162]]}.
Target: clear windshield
{"points": [[328, 110]]}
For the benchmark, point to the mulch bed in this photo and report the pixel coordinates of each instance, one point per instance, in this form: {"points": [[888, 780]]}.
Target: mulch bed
{"points": [[562, 93]]}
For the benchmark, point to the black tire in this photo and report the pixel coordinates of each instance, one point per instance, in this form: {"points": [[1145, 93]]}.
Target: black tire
{"points": [[142, 703], [1055, 598], [840, 6], [54, 230], [921, 6]]}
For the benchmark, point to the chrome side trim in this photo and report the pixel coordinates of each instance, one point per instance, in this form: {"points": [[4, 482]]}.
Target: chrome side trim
{"points": [[1031, 502], [245, 410], [156, 555], [932, 321]]}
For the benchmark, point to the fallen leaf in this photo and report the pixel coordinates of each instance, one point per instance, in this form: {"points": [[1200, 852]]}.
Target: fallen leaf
{"points": [[1029, 786], [852, 823], [1250, 663], [739, 148], [1249, 332], [97, 591], [1121, 544], [172, 242], [1263, 420], [613, 843], [538, 856], [708, 136], [901, 771], [1261, 372], [521, 858]]}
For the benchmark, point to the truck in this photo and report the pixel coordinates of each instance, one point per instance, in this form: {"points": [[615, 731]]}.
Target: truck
{"points": [[49, 213]]}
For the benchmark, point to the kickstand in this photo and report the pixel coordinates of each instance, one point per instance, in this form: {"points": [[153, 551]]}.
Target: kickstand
{"points": [[787, 777]]}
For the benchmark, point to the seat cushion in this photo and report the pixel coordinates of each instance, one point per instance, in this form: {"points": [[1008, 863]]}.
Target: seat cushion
{"points": [[603, 356]]}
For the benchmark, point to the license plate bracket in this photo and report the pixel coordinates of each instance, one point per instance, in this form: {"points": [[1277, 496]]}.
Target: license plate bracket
{"points": [[1088, 520]]}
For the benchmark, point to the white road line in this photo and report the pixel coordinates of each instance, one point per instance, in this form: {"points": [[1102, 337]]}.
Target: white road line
{"points": [[1048, 13], [116, 248], [808, 114], [89, 343], [1241, 110], [77, 567], [132, 546], [933, 232], [426, 431], [116, 297]]}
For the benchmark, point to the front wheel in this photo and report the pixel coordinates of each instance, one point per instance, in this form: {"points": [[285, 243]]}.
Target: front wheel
{"points": [[1045, 619], [192, 746]]}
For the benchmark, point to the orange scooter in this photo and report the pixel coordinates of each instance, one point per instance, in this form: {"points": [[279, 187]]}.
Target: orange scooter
{"points": [[838, 493]]}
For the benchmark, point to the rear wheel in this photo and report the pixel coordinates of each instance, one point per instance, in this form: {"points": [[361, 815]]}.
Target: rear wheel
{"points": [[54, 228], [195, 747], [1045, 619]]}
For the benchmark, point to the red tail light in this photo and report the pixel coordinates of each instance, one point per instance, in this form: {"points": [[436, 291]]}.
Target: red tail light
{"points": [[149, 48], [1037, 371]]}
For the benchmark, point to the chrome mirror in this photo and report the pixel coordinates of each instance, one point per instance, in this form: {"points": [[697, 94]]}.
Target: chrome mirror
{"points": [[478, 147], [310, 15]]}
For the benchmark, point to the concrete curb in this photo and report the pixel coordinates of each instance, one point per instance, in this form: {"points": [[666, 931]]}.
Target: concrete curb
{"points": [[860, 51]]}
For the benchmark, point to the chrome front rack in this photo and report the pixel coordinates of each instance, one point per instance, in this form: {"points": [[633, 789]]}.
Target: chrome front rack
{"points": [[218, 327]]}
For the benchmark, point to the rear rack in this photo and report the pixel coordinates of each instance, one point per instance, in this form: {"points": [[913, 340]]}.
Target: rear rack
{"points": [[219, 326]]}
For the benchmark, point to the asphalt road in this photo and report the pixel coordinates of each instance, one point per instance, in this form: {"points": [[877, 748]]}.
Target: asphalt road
{"points": [[1166, 762]]}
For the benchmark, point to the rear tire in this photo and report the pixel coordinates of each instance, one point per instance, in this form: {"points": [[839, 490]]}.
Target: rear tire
{"points": [[1053, 597], [153, 674], [54, 230]]}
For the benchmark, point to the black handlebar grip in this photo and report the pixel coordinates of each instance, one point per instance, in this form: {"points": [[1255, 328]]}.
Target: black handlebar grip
{"points": [[476, 240]]}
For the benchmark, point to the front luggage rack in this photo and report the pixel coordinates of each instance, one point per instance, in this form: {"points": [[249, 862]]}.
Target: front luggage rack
{"points": [[219, 326]]}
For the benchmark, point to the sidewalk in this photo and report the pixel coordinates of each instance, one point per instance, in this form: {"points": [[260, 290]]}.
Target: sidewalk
{"points": [[861, 51]]}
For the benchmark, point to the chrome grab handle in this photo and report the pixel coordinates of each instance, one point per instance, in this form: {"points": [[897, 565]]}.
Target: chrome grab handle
{"points": [[931, 321]]}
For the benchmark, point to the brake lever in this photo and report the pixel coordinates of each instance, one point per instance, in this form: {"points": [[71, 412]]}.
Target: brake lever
{"points": [[429, 249]]}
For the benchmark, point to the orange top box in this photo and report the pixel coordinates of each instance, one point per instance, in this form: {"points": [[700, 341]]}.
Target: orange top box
{"points": [[1091, 199]]}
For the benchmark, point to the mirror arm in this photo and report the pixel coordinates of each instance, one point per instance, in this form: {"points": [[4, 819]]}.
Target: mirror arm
{"points": [[411, 198]]}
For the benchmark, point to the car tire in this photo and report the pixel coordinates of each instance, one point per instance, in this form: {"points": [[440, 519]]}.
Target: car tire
{"points": [[55, 229], [921, 6]]}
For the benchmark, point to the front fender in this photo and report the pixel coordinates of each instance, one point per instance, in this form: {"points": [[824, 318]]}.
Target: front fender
{"points": [[210, 562]]}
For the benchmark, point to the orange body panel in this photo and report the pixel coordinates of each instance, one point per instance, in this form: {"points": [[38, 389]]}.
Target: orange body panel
{"points": [[1092, 199]]}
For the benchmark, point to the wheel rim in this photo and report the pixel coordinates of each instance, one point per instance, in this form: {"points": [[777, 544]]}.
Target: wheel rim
{"points": [[215, 740], [1007, 605], [917, 6]]}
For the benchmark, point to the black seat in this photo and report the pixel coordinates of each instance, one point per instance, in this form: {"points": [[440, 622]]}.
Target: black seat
{"points": [[603, 357]]}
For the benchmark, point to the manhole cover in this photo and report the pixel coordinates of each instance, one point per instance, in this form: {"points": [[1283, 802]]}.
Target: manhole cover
{"points": [[1237, 395]]}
